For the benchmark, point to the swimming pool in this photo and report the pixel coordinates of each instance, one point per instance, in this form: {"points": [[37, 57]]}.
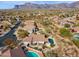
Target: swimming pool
{"points": [[51, 40], [76, 36], [31, 54]]}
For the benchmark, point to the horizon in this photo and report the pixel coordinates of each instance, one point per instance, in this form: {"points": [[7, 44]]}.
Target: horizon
{"points": [[11, 4]]}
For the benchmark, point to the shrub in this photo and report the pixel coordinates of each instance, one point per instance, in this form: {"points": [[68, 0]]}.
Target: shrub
{"points": [[22, 33], [67, 25], [65, 32]]}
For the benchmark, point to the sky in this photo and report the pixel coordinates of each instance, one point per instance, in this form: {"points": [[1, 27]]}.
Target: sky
{"points": [[11, 4]]}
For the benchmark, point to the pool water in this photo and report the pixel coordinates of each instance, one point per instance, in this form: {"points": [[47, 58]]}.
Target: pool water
{"points": [[31, 54], [51, 41]]}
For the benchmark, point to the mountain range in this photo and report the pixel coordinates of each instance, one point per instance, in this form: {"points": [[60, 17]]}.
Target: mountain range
{"points": [[47, 6]]}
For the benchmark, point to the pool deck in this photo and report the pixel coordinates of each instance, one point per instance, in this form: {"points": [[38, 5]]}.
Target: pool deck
{"points": [[39, 52]]}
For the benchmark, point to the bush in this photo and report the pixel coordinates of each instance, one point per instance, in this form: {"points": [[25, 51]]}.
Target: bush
{"points": [[6, 25], [67, 25], [46, 22], [22, 33], [48, 30], [65, 32], [51, 54]]}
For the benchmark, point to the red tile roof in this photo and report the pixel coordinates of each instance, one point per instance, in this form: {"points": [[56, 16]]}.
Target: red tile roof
{"points": [[17, 52], [6, 54]]}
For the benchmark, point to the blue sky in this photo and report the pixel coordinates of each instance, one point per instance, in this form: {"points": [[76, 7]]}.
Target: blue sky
{"points": [[11, 4]]}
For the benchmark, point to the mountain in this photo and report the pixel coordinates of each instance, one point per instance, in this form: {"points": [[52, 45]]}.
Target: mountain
{"points": [[47, 6], [75, 4]]}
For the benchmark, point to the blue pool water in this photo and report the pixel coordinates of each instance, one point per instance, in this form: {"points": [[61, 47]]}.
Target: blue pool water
{"points": [[51, 40], [31, 54]]}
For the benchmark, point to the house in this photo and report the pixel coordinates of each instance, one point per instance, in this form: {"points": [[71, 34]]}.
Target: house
{"points": [[36, 38], [6, 53], [17, 52], [76, 29]]}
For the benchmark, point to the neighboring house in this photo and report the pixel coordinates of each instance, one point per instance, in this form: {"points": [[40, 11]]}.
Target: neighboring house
{"points": [[6, 53], [17, 52], [62, 23], [77, 16], [76, 29]]}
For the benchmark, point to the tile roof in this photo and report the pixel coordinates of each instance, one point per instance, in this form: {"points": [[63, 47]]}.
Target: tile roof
{"points": [[17, 52], [6, 54], [36, 38]]}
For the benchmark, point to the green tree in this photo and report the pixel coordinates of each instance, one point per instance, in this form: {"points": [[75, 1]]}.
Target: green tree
{"points": [[65, 32]]}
